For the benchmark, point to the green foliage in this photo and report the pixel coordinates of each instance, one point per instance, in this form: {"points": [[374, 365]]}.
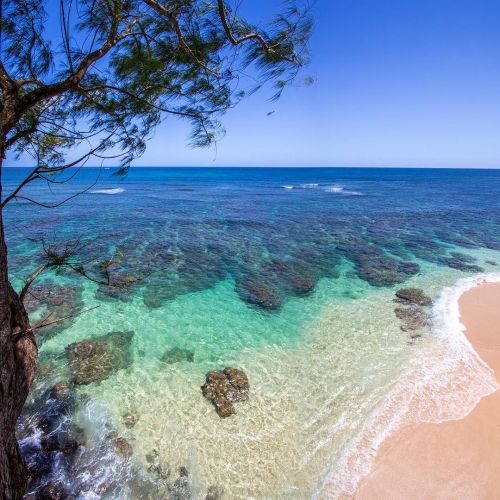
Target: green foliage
{"points": [[121, 66]]}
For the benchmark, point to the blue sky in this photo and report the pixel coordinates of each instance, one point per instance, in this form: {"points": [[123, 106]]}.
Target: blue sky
{"points": [[398, 83]]}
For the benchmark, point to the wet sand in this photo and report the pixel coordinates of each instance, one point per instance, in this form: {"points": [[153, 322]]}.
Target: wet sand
{"points": [[455, 459]]}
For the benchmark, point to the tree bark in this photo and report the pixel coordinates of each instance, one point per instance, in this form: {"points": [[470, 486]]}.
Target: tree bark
{"points": [[18, 356]]}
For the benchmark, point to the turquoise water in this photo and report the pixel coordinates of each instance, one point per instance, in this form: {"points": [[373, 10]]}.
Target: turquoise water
{"points": [[288, 274]]}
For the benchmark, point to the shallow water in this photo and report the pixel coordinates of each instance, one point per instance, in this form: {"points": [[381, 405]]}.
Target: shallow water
{"points": [[288, 274]]}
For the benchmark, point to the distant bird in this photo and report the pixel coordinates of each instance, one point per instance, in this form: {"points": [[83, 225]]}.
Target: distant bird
{"points": [[270, 113]]}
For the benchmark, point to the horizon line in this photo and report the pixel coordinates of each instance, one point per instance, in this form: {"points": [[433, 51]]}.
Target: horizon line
{"points": [[401, 167]]}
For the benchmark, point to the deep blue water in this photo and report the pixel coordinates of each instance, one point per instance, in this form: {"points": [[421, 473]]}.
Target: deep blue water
{"points": [[256, 243], [196, 225]]}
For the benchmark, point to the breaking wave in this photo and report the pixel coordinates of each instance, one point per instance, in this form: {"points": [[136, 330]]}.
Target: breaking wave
{"points": [[108, 191], [444, 382], [323, 187]]}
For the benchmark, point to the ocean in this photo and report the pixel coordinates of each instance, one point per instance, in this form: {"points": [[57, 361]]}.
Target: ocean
{"points": [[289, 274]]}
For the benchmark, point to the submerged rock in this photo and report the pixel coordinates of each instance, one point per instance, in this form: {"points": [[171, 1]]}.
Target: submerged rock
{"points": [[214, 493], [413, 296], [96, 359], [156, 467], [255, 292], [461, 264], [375, 266], [412, 318], [119, 288], [177, 354], [180, 489], [54, 490], [49, 417], [38, 465], [130, 419], [62, 441], [384, 271], [47, 294], [50, 409], [301, 285], [223, 387], [122, 447], [60, 305]]}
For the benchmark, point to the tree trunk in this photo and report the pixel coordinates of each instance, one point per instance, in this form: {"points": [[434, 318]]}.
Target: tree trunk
{"points": [[18, 355]]}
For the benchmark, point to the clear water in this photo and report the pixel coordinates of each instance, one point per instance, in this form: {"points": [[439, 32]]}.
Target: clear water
{"points": [[326, 247]]}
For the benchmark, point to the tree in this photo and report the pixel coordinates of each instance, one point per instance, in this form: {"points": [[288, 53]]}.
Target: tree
{"points": [[97, 90]]}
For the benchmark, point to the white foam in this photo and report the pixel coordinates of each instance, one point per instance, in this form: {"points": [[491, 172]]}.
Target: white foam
{"points": [[445, 381], [328, 189], [341, 190], [310, 185], [108, 191]]}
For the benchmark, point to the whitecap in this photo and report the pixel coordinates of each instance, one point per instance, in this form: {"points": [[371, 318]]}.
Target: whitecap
{"points": [[334, 189], [309, 185], [341, 190], [108, 191]]}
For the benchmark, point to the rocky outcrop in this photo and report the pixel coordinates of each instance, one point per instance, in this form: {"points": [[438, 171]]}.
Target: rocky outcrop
{"points": [[54, 490], [177, 354], [224, 387], [94, 360], [122, 447], [49, 417], [257, 293], [413, 296]]}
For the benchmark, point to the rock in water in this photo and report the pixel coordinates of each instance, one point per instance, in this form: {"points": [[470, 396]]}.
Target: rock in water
{"points": [[301, 285], [224, 387], [180, 489], [214, 493], [53, 491], [413, 296], [58, 303], [130, 419], [259, 294], [94, 360], [177, 354], [412, 318], [122, 447]]}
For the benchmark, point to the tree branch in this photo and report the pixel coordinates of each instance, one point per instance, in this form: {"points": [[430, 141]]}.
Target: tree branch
{"points": [[58, 320], [6, 81], [72, 82], [30, 280], [249, 36]]}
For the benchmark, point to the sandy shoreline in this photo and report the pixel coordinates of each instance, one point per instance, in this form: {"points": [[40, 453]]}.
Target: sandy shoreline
{"points": [[455, 459]]}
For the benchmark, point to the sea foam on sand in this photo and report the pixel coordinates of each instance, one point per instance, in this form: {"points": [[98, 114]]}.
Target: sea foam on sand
{"points": [[444, 382]]}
